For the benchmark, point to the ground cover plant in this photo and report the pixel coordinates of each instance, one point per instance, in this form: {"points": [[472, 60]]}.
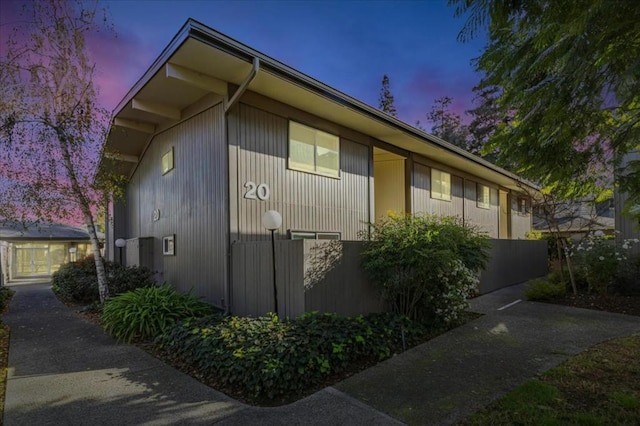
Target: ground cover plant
{"points": [[268, 361], [426, 267], [77, 282], [597, 387], [146, 312]]}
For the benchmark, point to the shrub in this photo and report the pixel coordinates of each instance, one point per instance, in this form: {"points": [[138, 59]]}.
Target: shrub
{"points": [[542, 289], [627, 279], [426, 267], [78, 281], [599, 259], [143, 313], [267, 357], [5, 295]]}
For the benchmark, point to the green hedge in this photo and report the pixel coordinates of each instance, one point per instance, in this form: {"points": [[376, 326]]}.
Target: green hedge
{"points": [[78, 281], [266, 357]]}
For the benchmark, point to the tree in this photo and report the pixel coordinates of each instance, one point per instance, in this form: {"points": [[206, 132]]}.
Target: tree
{"points": [[486, 119], [385, 101], [51, 125], [447, 124], [569, 75]]}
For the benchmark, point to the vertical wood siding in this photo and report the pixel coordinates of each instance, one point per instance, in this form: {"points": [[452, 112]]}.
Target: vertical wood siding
{"points": [[307, 202], [421, 194], [192, 203], [520, 223], [252, 287], [486, 219]]}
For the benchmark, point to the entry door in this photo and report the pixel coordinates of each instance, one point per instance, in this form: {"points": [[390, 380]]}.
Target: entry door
{"points": [[32, 260]]}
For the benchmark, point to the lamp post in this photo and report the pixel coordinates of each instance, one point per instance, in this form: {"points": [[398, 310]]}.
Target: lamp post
{"points": [[120, 242], [272, 220]]}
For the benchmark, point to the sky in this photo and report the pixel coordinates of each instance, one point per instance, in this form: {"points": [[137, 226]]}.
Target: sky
{"points": [[348, 45]]}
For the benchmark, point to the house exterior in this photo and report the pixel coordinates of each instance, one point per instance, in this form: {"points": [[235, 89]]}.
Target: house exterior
{"points": [[38, 250], [575, 220], [215, 133]]}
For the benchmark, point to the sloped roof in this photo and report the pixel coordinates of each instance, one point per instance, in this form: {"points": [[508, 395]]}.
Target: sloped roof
{"points": [[15, 231], [580, 217], [200, 61]]}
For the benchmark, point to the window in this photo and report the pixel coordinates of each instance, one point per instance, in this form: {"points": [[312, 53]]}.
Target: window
{"points": [[483, 195], [167, 161], [440, 185], [523, 207], [314, 151], [304, 235]]}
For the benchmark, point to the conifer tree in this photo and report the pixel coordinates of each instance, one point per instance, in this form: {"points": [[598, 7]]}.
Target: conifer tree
{"points": [[385, 101]]}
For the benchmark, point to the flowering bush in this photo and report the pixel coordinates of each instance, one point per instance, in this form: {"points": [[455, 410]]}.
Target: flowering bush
{"points": [[600, 260], [426, 267]]}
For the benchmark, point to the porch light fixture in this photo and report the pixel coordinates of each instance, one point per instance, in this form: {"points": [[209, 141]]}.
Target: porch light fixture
{"points": [[120, 243], [272, 220]]}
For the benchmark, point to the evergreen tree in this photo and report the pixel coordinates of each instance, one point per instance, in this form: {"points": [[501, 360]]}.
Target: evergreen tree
{"points": [[385, 101], [447, 124]]}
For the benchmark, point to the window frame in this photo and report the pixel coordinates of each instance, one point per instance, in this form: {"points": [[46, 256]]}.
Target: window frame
{"points": [[169, 154], [481, 203], [523, 206], [314, 235], [169, 245], [315, 166], [439, 195]]}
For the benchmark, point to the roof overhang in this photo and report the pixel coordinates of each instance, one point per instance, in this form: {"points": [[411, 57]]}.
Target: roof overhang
{"points": [[200, 61]]}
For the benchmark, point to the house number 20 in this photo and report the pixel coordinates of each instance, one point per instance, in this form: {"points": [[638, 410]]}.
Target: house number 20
{"points": [[257, 191]]}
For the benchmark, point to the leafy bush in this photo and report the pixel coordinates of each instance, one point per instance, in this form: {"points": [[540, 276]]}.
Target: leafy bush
{"points": [[627, 280], [5, 295], [542, 289], [267, 357], [600, 259], [145, 312], [78, 281], [426, 267]]}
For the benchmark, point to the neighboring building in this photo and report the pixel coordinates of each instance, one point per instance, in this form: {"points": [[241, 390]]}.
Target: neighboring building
{"points": [[216, 133], [38, 250], [575, 220], [627, 227]]}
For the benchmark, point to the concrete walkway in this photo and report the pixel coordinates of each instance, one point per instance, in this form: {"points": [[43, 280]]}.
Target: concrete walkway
{"points": [[64, 370]]}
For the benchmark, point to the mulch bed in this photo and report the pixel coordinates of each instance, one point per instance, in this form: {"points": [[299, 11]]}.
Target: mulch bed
{"points": [[629, 305]]}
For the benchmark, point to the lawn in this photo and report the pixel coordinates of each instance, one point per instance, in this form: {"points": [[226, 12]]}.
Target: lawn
{"points": [[600, 386]]}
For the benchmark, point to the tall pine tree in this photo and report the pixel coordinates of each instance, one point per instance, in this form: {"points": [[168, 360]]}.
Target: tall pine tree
{"points": [[385, 101]]}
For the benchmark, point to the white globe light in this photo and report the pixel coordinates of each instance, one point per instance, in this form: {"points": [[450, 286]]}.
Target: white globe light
{"points": [[271, 220], [120, 242]]}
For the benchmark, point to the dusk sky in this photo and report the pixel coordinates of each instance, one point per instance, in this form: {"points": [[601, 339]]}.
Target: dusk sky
{"points": [[348, 45]]}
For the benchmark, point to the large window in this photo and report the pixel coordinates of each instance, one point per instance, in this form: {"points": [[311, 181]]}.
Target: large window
{"points": [[311, 150], [483, 196], [440, 185]]}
